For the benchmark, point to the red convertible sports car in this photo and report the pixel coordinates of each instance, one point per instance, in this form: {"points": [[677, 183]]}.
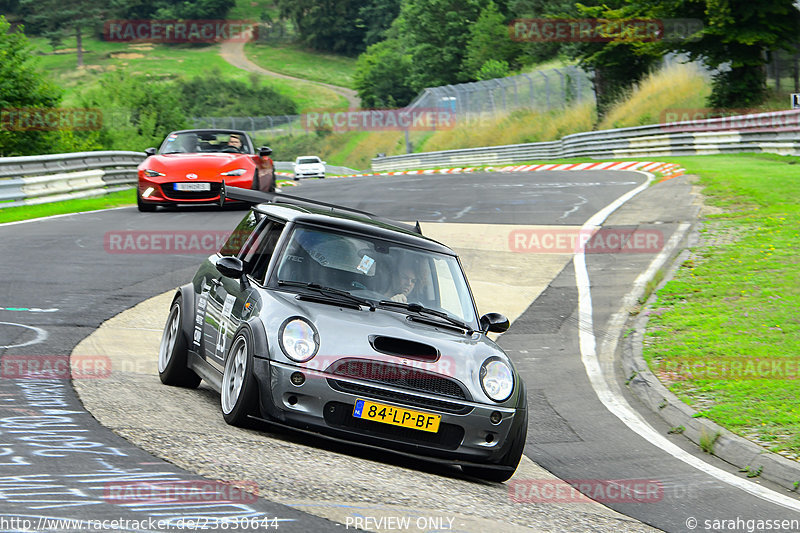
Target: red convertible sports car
{"points": [[191, 164]]}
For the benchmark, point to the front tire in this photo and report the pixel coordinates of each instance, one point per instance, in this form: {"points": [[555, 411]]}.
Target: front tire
{"points": [[509, 462], [142, 206], [173, 352], [239, 395]]}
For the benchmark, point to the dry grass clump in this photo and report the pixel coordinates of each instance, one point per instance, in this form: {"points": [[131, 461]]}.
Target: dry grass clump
{"points": [[674, 87]]}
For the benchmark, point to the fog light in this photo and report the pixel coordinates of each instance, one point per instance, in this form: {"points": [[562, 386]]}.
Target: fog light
{"points": [[148, 192], [292, 400], [496, 417], [489, 438], [297, 379]]}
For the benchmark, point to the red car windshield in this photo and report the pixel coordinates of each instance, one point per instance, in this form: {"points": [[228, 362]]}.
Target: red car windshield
{"points": [[194, 142]]}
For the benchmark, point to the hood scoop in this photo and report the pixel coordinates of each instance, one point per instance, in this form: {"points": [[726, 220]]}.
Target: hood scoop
{"points": [[403, 348]]}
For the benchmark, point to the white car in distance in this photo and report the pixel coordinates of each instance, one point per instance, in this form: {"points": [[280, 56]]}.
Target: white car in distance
{"points": [[309, 166]]}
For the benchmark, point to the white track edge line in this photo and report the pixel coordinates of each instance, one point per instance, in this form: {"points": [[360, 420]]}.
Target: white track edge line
{"points": [[616, 403], [39, 219]]}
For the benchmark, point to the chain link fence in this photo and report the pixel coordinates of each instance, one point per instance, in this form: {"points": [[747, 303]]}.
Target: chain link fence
{"points": [[541, 90], [275, 125]]}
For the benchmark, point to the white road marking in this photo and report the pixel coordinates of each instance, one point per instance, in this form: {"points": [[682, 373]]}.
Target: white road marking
{"points": [[41, 335], [62, 215], [607, 389]]}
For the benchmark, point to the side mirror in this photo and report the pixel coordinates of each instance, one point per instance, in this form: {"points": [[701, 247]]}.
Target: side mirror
{"points": [[231, 267], [324, 163], [264, 151], [494, 323], [150, 151]]}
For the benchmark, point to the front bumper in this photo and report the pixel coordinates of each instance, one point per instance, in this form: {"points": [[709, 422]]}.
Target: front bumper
{"points": [[309, 174], [164, 193], [324, 404]]}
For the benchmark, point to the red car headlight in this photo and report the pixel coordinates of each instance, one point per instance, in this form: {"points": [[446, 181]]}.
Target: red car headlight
{"points": [[237, 172]]}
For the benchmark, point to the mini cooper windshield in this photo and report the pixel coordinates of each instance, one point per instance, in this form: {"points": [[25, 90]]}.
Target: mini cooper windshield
{"points": [[395, 276]]}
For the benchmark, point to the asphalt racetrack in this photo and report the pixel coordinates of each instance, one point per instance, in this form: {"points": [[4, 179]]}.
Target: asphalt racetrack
{"points": [[64, 277]]}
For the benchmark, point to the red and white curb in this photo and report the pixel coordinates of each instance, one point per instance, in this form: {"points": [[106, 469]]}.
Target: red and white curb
{"points": [[668, 170]]}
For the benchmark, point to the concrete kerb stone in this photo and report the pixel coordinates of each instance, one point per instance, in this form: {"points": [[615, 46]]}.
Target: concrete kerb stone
{"points": [[744, 454]]}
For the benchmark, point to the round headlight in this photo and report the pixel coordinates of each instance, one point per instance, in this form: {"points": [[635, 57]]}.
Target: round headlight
{"points": [[299, 340], [496, 379]]}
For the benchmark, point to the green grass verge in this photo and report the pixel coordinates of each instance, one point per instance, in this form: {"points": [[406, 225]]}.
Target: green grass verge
{"points": [[162, 61], [735, 300], [292, 60], [115, 199]]}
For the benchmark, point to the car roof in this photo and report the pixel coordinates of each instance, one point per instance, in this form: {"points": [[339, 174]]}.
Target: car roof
{"points": [[353, 223]]}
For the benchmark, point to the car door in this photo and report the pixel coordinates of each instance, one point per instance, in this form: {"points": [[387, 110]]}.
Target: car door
{"points": [[227, 297]]}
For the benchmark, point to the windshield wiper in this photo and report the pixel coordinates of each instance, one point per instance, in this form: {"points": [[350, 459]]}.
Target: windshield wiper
{"points": [[422, 310], [328, 291]]}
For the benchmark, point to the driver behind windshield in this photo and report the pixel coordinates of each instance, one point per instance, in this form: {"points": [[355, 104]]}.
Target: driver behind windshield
{"points": [[234, 143], [403, 285]]}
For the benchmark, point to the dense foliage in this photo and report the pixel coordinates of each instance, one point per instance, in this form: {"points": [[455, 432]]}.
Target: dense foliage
{"points": [[22, 85], [213, 95]]}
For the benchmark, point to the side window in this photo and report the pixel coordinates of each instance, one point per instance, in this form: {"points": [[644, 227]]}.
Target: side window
{"points": [[448, 292], [239, 236], [257, 259]]}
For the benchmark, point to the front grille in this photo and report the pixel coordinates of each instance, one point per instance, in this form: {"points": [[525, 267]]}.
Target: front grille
{"points": [[399, 376], [449, 436], [398, 397], [169, 192]]}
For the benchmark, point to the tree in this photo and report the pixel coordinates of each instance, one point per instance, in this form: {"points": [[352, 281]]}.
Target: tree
{"points": [[22, 85], [537, 52], [329, 25], [435, 34], [55, 19], [138, 111], [213, 95], [492, 69], [376, 18], [488, 41], [616, 65], [171, 9], [192, 10], [736, 39], [382, 74]]}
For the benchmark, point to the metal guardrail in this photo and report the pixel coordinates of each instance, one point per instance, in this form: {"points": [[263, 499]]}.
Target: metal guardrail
{"points": [[775, 132], [52, 178]]}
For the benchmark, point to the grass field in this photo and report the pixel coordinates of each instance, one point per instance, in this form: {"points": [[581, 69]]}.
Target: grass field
{"points": [[116, 199], [292, 60], [725, 333], [162, 62]]}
